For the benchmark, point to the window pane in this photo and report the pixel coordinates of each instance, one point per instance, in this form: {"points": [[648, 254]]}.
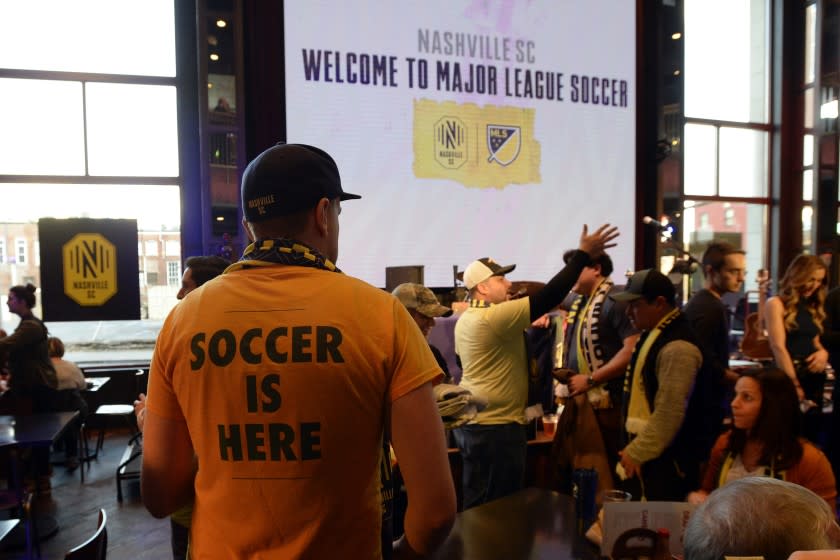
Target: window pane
{"points": [[155, 207], [808, 150], [810, 42], [808, 184], [734, 31], [746, 230], [132, 130], [91, 36], [699, 159], [56, 146], [743, 162], [808, 100], [807, 221]]}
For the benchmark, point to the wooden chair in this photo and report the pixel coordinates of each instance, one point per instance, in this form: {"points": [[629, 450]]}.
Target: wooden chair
{"points": [[96, 547], [635, 544]]}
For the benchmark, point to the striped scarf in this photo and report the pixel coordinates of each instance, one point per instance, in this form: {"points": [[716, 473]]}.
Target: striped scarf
{"points": [[270, 252], [590, 353]]}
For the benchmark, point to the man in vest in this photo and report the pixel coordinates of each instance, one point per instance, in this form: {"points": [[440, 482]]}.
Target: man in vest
{"points": [[664, 394]]}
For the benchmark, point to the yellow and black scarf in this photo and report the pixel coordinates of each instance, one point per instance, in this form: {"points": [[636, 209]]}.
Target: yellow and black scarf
{"points": [[638, 407], [269, 252]]}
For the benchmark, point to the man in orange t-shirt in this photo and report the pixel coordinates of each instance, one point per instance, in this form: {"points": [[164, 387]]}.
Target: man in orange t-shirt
{"points": [[281, 376]]}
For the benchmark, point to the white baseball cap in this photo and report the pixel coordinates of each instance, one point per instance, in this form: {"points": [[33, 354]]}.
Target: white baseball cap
{"points": [[482, 269]]}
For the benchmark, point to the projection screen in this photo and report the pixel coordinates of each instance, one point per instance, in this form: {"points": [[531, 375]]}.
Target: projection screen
{"points": [[470, 128]]}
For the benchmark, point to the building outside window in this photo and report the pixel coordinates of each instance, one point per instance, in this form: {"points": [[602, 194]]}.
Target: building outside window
{"points": [[113, 143], [20, 251], [173, 273]]}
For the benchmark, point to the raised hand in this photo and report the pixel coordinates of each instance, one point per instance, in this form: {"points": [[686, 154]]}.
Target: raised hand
{"points": [[599, 240]]}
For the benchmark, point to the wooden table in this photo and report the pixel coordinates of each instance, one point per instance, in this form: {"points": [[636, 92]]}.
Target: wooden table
{"points": [[34, 430], [532, 524], [31, 431]]}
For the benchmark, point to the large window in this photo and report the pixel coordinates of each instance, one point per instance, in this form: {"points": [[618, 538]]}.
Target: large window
{"points": [[90, 130], [726, 137]]}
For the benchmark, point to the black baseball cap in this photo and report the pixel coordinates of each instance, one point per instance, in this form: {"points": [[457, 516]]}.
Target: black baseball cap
{"points": [[288, 178], [649, 284]]}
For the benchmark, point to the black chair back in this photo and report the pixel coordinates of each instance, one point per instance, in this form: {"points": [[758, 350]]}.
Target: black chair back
{"points": [[96, 547]]}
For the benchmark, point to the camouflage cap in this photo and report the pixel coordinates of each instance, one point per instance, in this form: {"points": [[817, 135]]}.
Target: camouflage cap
{"points": [[421, 298]]}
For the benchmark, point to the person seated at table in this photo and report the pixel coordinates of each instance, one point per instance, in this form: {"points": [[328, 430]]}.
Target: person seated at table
{"points": [[765, 441], [67, 373], [71, 380], [760, 517]]}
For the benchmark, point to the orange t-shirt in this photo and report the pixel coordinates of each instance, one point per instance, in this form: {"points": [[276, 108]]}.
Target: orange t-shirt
{"points": [[283, 375]]}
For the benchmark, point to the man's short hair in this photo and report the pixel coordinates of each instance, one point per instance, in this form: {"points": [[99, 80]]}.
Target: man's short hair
{"points": [[603, 260], [205, 268], [759, 516], [715, 254]]}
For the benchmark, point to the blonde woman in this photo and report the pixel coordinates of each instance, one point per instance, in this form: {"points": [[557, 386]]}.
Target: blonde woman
{"points": [[794, 324]]}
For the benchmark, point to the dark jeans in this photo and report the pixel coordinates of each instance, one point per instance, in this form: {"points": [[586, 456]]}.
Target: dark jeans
{"points": [[494, 461]]}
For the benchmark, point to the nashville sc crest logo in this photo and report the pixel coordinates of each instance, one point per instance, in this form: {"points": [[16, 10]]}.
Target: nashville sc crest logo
{"points": [[451, 146], [503, 142]]}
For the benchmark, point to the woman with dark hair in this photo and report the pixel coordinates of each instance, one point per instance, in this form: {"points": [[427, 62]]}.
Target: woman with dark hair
{"points": [[764, 440], [33, 379], [794, 325]]}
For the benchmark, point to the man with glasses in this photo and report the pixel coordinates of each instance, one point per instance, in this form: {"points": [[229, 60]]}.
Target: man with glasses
{"points": [[724, 268]]}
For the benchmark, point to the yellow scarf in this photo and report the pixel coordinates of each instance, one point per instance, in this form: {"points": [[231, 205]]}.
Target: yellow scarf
{"points": [[638, 408]]}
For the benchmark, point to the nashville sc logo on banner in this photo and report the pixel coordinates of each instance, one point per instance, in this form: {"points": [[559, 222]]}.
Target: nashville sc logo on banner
{"points": [[485, 146]]}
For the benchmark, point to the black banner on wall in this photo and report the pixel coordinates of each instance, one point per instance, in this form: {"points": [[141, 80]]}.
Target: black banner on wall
{"points": [[89, 269]]}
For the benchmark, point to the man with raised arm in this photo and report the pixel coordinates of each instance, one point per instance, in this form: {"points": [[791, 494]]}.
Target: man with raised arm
{"points": [[490, 342]]}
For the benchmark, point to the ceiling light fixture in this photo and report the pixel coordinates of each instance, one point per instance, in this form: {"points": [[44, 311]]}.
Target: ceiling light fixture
{"points": [[676, 36], [221, 23], [214, 57]]}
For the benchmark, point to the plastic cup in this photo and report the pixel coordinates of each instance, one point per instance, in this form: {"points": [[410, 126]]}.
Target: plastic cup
{"points": [[549, 424], [616, 496]]}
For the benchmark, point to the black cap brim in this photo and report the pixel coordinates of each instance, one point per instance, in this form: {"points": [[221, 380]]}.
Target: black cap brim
{"points": [[625, 296]]}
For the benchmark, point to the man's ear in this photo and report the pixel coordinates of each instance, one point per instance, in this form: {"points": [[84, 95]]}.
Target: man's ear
{"points": [[322, 217]]}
